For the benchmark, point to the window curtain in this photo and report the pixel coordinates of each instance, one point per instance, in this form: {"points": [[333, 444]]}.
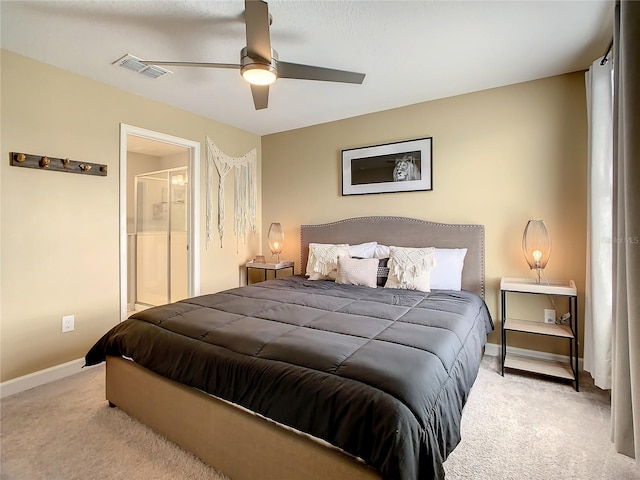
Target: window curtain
{"points": [[599, 284], [625, 391]]}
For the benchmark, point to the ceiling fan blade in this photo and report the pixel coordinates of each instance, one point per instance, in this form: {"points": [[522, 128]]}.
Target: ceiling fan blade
{"points": [[256, 14], [191, 64], [260, 96], [309, 72]]}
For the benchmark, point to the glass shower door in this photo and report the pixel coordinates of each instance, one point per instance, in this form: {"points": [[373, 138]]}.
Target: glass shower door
{"points": [[178, 227], [161, 239], [152, 239]]}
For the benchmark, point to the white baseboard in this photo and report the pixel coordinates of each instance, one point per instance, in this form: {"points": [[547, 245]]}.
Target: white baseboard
{"points": [[35, 379], [494, 350]]}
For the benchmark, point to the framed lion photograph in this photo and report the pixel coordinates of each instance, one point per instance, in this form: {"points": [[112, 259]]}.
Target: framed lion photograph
{"points": [[393, 167]]}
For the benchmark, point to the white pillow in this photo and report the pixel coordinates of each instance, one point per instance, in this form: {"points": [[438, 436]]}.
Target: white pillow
{"points": [[323, 260], [410, 268], [358, 271], [382, 251], [447, 271], [363, 250]]}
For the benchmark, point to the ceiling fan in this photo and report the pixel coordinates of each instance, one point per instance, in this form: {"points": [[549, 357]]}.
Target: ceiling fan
{"points": [[259, 64]]}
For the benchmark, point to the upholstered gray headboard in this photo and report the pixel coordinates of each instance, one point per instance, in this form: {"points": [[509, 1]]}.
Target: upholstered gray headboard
{"points": [[404, 232]]}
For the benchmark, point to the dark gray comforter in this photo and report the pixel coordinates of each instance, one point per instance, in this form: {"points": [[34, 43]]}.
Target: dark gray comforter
{"points": [[380, 373]]}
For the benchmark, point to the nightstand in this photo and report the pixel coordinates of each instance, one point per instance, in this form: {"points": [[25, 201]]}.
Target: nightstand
{"points": [[274, 267], [509, 286]]}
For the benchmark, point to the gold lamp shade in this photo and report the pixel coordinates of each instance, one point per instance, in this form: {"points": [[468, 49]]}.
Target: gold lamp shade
{"points": [[276, 239], [536, 245]]}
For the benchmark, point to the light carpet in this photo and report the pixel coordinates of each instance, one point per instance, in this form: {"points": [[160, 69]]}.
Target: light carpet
{"points": [[517, 427]]}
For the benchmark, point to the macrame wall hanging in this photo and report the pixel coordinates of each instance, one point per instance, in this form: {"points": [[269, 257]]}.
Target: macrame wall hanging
{"points": [[245, 196]]}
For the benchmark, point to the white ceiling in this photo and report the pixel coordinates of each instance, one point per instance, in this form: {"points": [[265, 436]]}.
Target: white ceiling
{"points": [[411, 51]]}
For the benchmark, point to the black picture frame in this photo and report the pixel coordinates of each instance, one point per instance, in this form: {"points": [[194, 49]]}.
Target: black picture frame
{"points": [[405, 166]]}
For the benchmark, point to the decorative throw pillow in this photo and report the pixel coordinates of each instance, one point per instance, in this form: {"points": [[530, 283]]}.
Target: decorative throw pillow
{"points": [[357, 271], [382, 251], [410, 268], [383, 271], [447, 271], [323, 260], [363, 250]]}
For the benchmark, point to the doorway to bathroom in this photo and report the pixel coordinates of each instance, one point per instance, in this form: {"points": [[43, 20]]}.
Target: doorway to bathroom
{"points": [[159, 216]]}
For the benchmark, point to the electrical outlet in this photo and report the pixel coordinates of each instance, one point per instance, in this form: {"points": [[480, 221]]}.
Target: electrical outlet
{"points": [[549, 315], [68, 323]]}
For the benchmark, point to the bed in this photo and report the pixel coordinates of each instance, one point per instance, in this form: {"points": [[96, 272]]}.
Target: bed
{"points": [[301, 379]]}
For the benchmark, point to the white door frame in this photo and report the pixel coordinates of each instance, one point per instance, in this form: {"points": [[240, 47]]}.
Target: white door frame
{"points": [[194, 208]]}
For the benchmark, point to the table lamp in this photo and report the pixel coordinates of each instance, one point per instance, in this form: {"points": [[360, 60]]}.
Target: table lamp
{"points": [[276, 240], [536, 245]]}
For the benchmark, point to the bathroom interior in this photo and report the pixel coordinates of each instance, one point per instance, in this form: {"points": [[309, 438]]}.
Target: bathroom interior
{"points": [[157, 225]]}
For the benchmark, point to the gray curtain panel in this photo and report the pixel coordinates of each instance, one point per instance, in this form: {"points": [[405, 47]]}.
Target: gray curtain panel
{"points": [[625, 399]]}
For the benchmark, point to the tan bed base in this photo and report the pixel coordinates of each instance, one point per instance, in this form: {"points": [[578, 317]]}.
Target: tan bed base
{"points": [[235, 442]]}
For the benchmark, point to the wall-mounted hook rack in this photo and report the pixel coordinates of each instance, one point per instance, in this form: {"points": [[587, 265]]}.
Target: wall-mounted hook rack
{"points": [[44, 162]]}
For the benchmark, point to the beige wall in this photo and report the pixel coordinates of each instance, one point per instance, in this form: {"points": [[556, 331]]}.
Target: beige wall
{"points": [[500, 157], [60, 232]]}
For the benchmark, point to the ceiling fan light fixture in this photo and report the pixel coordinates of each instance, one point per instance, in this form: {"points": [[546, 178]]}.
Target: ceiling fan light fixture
{"points": [[257, 74], [258, 71]]}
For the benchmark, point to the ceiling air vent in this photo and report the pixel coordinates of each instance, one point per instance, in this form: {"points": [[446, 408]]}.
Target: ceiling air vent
{"points": [[135, 65]]}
